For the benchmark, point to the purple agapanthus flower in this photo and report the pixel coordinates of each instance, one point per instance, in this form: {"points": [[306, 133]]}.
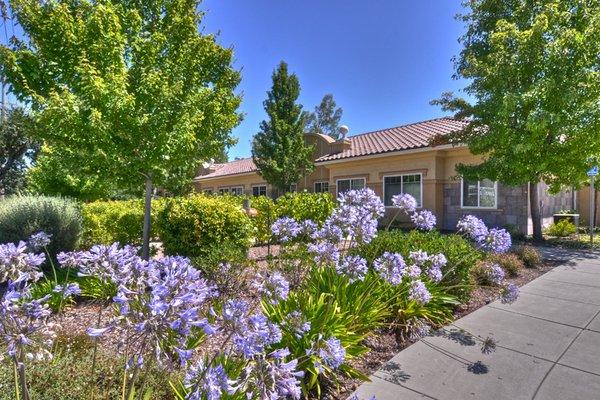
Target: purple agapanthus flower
{"points": [[354, 267], [495, 274], [331, 353], [391, 267], [510, 293], [424, 220], [496, 241], [324, 252], [68, 289], [472, 226], [297, 323], [274, 287], [271, 377], [286, 229], [418, 292], [405, 202], [308, 227], [207, 382], [16, 260], [419, 257], [39, 240]]}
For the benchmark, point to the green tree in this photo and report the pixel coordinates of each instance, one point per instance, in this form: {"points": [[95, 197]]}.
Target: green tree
{"points": [[132, 88], [278, 149], [326, 118], [533, 69], [18, 149]]}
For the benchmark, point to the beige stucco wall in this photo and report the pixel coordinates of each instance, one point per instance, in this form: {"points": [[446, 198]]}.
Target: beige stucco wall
{"points": [[244, 180]]}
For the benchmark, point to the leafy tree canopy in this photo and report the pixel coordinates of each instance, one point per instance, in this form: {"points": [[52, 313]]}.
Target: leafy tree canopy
{"points": [[533, 68], [132, 89], [326, 118], [279, 150], [17, 149]]}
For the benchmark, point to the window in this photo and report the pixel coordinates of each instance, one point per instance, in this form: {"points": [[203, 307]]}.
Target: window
{"points": [[259, 190], [321, 187], [411, 184], [480, 194], [237, 190], [293, 187], [207, 191], [343, 185], [224, 191]]}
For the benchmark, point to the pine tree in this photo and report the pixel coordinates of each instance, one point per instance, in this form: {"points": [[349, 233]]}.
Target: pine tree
{"points": [[278, 149]]}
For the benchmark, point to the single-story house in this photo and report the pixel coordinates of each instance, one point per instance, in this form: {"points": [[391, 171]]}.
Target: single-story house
{"points": [[403, 159]]}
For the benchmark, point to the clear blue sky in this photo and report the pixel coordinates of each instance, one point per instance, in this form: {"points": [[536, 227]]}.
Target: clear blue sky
{"points": [[383, 60]]}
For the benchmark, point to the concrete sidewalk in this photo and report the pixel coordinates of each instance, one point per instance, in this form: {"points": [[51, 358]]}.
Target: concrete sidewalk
{"points": [[548, 345]]}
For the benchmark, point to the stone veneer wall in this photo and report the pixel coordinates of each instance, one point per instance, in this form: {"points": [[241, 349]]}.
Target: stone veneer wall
{"points": [[512, 208], [551, 204]]}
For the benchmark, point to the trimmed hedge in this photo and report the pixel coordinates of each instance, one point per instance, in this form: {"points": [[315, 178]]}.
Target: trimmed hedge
{"points": [[22, 216], [122, 221], [461, 254], [196, 225]]}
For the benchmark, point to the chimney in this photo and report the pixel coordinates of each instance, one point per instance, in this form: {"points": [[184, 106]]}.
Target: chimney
{"points": [[343, 143]]}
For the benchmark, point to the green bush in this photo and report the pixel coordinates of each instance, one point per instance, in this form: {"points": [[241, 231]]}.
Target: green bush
{"points": [[303, 205], [460, 253], [529, 255], [562, 228], [106, 222], [266, 214], [197, 225], [22, 216], [510, 263]]}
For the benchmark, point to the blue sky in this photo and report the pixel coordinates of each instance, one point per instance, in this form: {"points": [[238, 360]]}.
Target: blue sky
{"points": [[382, 60]]}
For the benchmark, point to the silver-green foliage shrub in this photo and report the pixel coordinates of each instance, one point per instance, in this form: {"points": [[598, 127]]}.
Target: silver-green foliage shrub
{"points": [[22, 216]]}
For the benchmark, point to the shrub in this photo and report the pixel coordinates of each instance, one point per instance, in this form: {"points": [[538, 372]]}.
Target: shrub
{"points": [[106, 222], [266, 215], [562, 228], [196, 225], [529, 255], [486, 273], [303, 205], [460, 253], [510, 263], [22, 216]]}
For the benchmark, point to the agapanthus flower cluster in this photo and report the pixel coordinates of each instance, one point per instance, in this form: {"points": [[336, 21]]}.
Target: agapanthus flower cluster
{"points": [[24, 326], [510, 293], [271, 377], [159, 301], [418, 292], [494, 240], [391, 267], [68, 289], [273, 286], [405, 202], [431, 264], [39, 240], [494, 273], [297, 323], [250, 332], [207, 382], [324, 252], [424, 220], [354, 267], [16, 260], [286, 229], [330, 352]]}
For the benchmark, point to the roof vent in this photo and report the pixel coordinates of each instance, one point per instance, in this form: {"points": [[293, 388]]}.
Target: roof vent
{"points": [[343, 131]]}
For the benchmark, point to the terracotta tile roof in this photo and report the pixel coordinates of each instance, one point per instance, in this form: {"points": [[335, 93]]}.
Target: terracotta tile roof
{"points": [[231, 168], [405, 137]]}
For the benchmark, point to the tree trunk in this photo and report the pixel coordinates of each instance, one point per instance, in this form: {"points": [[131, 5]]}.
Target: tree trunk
{"points": [[147, 220], [534, 204]]}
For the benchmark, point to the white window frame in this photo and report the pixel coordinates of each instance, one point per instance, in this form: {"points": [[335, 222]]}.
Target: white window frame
{"points": [[419, 200], [207, 191], [233, 190], [337, 181], [293, 187], [258, 187], [477, 207], [321, 183], [223, 190]]}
